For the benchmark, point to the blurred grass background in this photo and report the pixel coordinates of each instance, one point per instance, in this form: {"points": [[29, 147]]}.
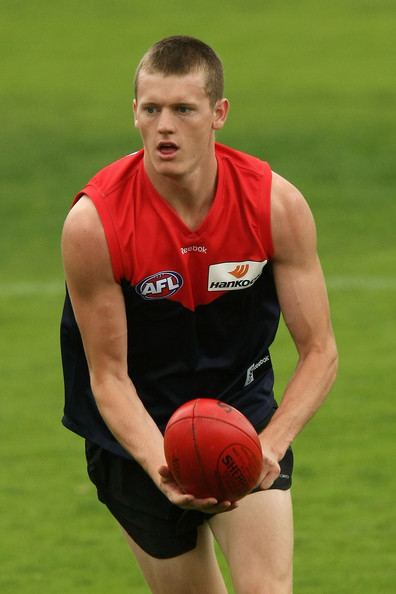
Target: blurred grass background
{"points": [[312, 89]]}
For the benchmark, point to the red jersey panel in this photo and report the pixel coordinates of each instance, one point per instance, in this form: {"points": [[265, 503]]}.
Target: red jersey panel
{"points": [[152, 248]]}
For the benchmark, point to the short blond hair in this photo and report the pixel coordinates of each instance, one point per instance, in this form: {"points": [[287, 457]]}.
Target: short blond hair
{"points": [[180, 55]]}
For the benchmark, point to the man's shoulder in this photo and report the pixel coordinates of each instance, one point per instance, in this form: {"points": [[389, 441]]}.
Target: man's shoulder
{"points": [[114, 174], [292, 221], [242, 160], [285, 196]]}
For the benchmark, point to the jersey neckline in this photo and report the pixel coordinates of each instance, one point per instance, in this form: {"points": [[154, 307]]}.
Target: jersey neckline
{"points": [[167, 211]]}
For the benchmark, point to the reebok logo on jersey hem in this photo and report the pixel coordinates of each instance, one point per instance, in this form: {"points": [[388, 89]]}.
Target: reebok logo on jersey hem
{"points": [[245, 275]]}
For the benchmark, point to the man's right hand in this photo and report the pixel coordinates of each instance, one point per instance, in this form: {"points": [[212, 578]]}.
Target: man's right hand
{"points": [[173, 492]]}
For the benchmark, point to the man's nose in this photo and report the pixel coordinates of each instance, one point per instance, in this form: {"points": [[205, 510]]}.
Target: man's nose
{"points": [[166, 122]]}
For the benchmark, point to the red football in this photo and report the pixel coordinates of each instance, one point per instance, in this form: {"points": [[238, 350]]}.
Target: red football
{"points": [[212, 450]]}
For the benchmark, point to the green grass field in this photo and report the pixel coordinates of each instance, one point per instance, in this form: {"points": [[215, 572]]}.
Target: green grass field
{"points": [[313, 91]]}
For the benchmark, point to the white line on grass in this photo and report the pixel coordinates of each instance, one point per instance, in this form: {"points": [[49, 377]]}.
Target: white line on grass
{"points": [[362, 283], [31, 288], [334, 283]]}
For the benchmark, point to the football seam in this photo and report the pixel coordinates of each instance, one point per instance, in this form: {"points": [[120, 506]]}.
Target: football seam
{"points": [[196, 448], [221, 421]]}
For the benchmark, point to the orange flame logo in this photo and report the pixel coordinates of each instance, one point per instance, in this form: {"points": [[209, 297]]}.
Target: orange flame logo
{"points": [[240, 270]]}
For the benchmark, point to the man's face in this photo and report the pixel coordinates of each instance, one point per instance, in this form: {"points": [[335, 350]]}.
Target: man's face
{"points": [[176, 121]]}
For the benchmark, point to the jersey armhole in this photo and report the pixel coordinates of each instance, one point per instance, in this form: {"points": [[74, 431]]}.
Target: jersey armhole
{"points": [[94, 194], [267, 227]]}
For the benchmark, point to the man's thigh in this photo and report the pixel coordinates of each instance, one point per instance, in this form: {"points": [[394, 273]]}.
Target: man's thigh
{"points": [[257, 541], [194, 572]]}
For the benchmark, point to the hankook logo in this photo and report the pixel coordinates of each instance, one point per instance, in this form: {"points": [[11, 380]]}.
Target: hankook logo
{"points": [[245, 275]]}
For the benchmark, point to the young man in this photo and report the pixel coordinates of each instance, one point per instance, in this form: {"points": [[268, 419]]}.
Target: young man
{"points": [[178, 260]]}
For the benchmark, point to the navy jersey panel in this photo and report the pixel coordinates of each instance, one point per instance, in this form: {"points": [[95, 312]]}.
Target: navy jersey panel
{"points": [[201, 306], [174, 359], [176, 354]]}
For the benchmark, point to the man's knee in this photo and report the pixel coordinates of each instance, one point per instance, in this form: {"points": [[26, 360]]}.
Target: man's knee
{"points": [[268, 582]]}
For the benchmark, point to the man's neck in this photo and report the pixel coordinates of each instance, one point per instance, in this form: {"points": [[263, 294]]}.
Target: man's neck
{"points": [[191, 196]]}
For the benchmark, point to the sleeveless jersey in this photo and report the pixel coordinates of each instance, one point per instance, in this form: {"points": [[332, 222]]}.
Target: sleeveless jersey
{"points": [[201, 305]]}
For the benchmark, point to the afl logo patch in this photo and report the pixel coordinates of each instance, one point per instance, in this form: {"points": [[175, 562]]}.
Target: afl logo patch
{"points": [[160, 285]]}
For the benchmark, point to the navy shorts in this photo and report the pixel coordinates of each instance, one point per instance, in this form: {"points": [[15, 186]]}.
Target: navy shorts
{"points": [[160, 528]]}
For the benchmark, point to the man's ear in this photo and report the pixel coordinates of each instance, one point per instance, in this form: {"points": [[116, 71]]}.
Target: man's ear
{"points": [[221, 110], [134, 109]]}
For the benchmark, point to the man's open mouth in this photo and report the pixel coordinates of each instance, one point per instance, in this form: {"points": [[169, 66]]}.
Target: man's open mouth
{"points": [[167, 148]]}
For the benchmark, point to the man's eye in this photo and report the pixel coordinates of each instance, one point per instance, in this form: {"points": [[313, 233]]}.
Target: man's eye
{"points": [[183, 109], [150, 109]]}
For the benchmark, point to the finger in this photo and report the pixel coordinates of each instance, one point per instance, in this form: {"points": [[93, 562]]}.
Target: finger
{"points": [[271, 472], [191, 502], [221, 508], [205, 502], [269, 479], [213, 506], [184, 501], [164, 471]]}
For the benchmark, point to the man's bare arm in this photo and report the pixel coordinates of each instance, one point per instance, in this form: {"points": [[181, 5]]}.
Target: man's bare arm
{"points": [[100, 313], [303, 299]]}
